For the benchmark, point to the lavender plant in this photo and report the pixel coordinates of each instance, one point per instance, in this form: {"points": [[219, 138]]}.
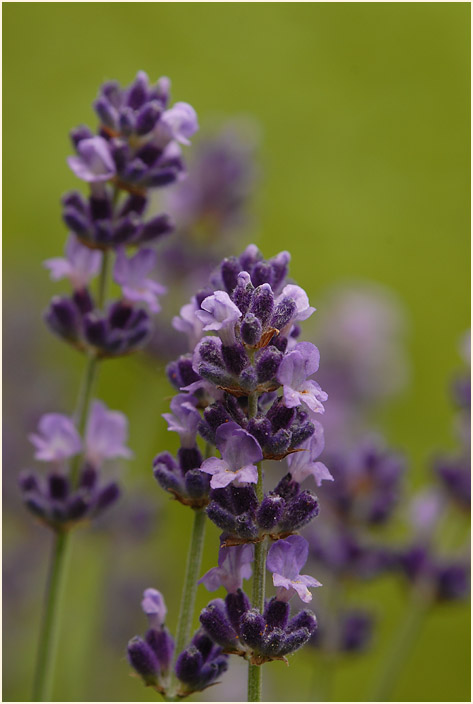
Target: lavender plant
{"points": [[247, 390], [136, 149]]}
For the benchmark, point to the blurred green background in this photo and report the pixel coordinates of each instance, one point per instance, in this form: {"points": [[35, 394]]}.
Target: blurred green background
{"points": [[364, 109]]}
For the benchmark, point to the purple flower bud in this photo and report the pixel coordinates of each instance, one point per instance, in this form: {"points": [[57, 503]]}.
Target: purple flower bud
{"points": [[356, 631], [189, 458], [237, 603], [294, 641], [235, 358], [304, 619], [229, 270], [299, 511], [154, 607], [213, 618], [276, 613], [222, 517], [270, 511], [280, 266], [106, 497], [58, 486], [283, 313], [267, 364], [262, 303], [188, 666], [196, 483], [252, 628], [162, 644], [142, 658], [250, 330], [242, 293], [137, 93], [273, 642], [106, 112], [63, 318], [148, 117]]}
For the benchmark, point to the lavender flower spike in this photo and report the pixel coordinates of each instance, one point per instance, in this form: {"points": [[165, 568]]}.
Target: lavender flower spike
{"points": [[239, 452], [293, 373], [304, 464], [106, 435], [220, 314], [154, 607], [94, 162], [234, 565], [184, 418], [79, 265], [285, 559], [57, 438], [131, 273]]}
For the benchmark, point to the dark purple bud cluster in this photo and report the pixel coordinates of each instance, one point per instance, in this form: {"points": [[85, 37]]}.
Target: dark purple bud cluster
{"points": [[200, 664], [242, 518], [354, 632], [59, 505], [183, 477], [151, 656], [97, 226], [444, 580], [347, 554], [367, 484], [244, 631], [121, 330]]}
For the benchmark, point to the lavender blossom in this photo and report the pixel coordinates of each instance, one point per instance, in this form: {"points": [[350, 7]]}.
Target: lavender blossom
{"points": [[294, 370], [57, 438], [220, 314], [79, 265], [239, 451], [285, 559], [106, 435], [234, 565], [303, 464], [130, 274], [184, 418], [94, 162]]}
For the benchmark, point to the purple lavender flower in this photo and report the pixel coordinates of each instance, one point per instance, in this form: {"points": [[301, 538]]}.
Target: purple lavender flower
{"points": [[184, 418], [179, 123], [294, 372], [106, 435], [220, 314], [302, 310], [239, 452], [188, 322], [79, 265], [131, 273], [303, 464], [285, 559], [154, 607], [57, 438], [94, 162], [234, 565]]}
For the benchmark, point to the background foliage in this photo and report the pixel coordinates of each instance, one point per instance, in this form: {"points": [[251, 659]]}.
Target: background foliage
{"points": [[364, 112]]}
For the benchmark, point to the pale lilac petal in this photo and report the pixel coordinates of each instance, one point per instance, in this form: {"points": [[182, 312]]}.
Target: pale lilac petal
{"points": [[106, 434], [181, 120], [219, 313], [154, 607], [57, 438], [214, 465], [248, 475], [188, 323], [213, 579], [94, 162]]}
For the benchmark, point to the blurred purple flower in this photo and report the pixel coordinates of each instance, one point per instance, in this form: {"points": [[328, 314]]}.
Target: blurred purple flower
{"points": [[154, 607], [94, 162], [79, 265], [131, 273], [234, 565], [188, 322], [285, 560], [179, 123], [57, 438], [184, 418], [106, 435], [239, 452]]}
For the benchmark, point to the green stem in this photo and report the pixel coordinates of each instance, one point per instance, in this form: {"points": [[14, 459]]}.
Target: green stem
{"points": [[49, 626], [402, 645], [186, 611], [48, 638], [255, 672]]}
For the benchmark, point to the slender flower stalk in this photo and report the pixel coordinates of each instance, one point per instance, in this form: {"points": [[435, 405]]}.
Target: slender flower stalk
{"points": [[189, 590], [49, 635]]}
